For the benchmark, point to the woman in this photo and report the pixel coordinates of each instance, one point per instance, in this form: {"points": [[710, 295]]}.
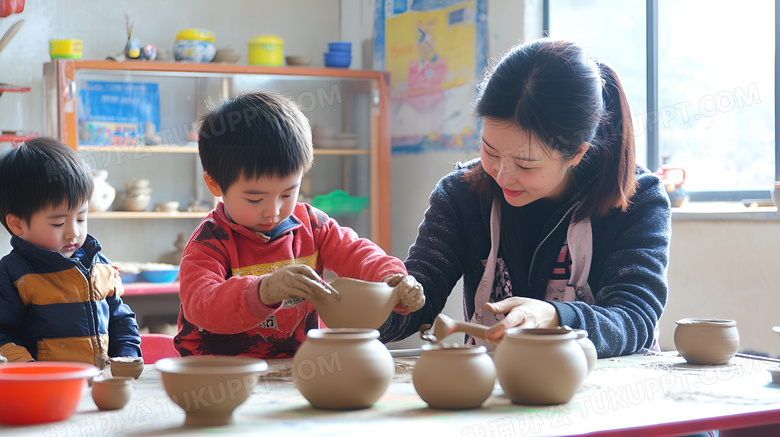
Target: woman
{"points": [[555, 224]]}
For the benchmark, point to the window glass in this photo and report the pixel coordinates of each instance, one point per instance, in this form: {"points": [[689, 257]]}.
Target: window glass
{"points": [[614, 32], [716, 92]]}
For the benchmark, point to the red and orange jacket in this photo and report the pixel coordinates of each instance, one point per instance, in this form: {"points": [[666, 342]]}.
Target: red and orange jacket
{"points": [[223, 264]]}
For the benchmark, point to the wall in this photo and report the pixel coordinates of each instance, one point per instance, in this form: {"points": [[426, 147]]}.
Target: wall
{"points": [[726, 269]]}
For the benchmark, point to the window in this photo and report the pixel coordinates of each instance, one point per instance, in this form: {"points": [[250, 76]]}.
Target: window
{"points": [[710, 106]]}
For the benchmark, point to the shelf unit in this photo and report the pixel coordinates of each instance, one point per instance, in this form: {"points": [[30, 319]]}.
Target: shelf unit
{"points": [[351, 101], [13, 136]]}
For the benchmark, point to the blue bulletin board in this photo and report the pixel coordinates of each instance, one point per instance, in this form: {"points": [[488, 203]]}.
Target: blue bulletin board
{"points": [[114, 113]]}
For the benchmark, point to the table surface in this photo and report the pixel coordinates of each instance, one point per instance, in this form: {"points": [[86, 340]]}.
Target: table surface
{"points": [[654, 394]]}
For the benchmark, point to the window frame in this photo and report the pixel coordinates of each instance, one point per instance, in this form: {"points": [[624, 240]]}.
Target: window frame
{"points": [[653, 150]]}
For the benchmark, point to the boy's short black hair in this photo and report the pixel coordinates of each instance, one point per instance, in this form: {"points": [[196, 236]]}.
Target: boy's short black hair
{"points": [[42, 173], [253, 135]]}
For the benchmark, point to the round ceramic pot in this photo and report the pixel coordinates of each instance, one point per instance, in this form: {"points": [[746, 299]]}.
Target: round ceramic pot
{"points": [[363, 304], [342, 369], [127, 366], [540, 366], [706, 341], [588, 347], [112, 393], [459, 377]]}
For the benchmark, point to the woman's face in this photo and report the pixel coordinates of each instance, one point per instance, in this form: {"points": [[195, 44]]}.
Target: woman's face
{"points": [[524, 167]]}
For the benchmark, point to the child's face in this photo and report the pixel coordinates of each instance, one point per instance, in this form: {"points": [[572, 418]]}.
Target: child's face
{"points": [[261, 204], [56, 228]]}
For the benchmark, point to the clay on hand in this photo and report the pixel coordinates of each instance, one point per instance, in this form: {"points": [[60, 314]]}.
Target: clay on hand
{"points": [[522, 312], [409, 291], [293, 282]]}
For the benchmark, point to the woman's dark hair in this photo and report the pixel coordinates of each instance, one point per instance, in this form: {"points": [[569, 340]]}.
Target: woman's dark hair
{"points": [[42, 173], [554, 91], [253, 135]]}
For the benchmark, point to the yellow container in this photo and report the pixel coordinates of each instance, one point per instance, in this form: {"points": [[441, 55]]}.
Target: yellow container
{"points": [[65, 48], [195, 34], [266, 50]]}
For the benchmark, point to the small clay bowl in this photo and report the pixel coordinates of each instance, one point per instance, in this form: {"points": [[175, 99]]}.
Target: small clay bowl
{"points": [[127, 366], [298, 60], [112, 393], [706, 341]]}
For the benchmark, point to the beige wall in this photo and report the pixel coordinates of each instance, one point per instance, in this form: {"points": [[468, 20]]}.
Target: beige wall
{"points": [[726, 269]]}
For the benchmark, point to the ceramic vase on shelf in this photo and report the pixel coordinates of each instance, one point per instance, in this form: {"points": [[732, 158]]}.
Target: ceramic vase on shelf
{"points": [[439, 367], [540, 366], [342, 369], [103, 194]]}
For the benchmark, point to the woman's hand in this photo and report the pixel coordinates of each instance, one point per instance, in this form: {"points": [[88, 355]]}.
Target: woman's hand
{"points": [[523, 312]]}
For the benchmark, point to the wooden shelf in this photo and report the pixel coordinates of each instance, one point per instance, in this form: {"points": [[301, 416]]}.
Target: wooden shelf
{"points": [[171, 148], [147, 288], [165, 148], [146, 214]]}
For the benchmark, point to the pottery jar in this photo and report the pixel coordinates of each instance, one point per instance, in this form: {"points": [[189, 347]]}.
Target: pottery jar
{"points": [[342, 369], [458, 377], [127, 366], [588, 347], [103, 194], [540, 366], [363, 304], [706, 341], [112, 393]]}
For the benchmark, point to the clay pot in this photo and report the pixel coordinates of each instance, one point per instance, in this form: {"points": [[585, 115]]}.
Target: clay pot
{"points": [[112, 393], [458, 377], [342, 369], [706, 341], [540, 366], [209, 388], [363, 305], [588, 347], [127, 366]]}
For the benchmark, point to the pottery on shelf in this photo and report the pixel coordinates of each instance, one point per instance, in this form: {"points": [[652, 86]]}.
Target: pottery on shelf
{"points": [[588, 347], [170, 206], [209, 388], [706, 341], [439, 367], [540, 366], [103, 194], [127, 366], [112, 393], [342, 369], [363, 304]]}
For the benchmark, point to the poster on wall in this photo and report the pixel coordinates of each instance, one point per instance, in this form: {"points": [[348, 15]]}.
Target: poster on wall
{"points": [[436, 53]]}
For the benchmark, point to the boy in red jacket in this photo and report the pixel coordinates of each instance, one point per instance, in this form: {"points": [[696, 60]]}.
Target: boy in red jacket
{"points": [[253, 262]]}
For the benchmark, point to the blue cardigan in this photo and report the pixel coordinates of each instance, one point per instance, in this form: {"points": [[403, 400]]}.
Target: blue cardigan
{"points": [[627, 275], [54, 308]]}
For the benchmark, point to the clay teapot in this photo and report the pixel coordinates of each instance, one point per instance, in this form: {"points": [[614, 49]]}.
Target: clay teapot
{"points": [[342, 369], [540, 366], [103, 194], [363, 304], [706, 341], [439, 366]]}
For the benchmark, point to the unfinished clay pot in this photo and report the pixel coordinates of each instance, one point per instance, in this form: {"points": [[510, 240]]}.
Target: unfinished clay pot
{"points": [[540, 366], [588, 347], [454, 377], [706, 341], [342, 369], [363, 304], [112, 393], [127, 366], [209, 388]]}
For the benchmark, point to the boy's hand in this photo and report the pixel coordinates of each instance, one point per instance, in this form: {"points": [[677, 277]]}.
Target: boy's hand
{"points": [[293, 282], [410, 293]]}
